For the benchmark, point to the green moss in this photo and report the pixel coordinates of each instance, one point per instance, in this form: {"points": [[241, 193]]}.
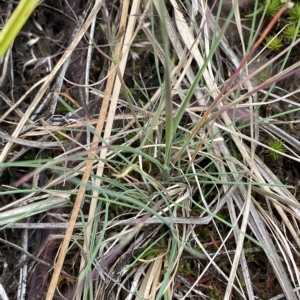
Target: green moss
{"points": [[207, 232], [241, 282], [215, 294], [263, 75], [271, 7], [290, 32], [61, 109], [29, 156], [294, 13], [250, 256], [185, 268], [277, 145], [274, 43]]}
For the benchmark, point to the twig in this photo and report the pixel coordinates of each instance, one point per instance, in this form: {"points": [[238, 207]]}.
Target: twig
{"points": [[31, 144], [86, 175]]}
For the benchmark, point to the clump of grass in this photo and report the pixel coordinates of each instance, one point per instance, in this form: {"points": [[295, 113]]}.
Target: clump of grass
{"points": [[148, 160], [275, 145]]}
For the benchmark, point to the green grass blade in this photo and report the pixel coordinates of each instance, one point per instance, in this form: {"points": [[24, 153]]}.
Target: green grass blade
{"points": [[15, 24]]}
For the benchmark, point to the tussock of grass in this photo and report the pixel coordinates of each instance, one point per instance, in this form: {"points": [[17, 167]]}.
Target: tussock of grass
{"points": [[166, 191]]}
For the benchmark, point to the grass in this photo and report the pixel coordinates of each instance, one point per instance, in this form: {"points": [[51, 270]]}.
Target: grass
{"points": [[15, 23], [158, 198]]}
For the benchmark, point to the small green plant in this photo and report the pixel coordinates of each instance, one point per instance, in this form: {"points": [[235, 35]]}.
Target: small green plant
{"points": [[233, 150], [274, 43], [29, 156], [271, 7], [290, 32], [263, 75], [60, 137], [276, 145], [185, 268], [294, 12], [250, 256], [207, 232], [241, 282], [61, 109], [215, 294]]}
